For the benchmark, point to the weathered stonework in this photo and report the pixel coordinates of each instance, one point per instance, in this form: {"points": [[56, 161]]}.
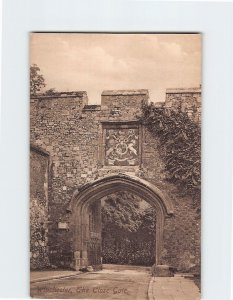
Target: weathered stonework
{"points": [[77, 138], [39, 209], [185, 100]]}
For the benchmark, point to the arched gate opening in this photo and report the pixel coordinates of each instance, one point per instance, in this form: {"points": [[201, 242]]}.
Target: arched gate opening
{"points": [[86, 241]]}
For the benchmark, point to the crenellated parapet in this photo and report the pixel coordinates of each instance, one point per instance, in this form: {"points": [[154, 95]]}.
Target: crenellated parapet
{"points": [[187, 100]]}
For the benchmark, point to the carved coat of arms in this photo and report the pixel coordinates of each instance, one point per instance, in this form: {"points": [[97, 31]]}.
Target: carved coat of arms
{"points": [[121, 148]]}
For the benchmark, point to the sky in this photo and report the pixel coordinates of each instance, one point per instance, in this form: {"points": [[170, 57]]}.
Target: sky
{"points": [[98, 62]]}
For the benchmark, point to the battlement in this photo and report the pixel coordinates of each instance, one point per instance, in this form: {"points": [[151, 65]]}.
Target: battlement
{"points": [[118, 104], [187, 100], [124, 103], [74, 94], [183, 90], [60, 102], [125, 92]]}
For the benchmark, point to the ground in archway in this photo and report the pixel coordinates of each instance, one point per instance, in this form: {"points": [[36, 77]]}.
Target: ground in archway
{"points": [[113, 282], [117, 282]]}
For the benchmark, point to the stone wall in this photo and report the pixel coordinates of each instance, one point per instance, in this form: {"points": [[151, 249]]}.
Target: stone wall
{"points": [[185, 100], [74, 135], [39, 209], [124, 105], [182, 230]]}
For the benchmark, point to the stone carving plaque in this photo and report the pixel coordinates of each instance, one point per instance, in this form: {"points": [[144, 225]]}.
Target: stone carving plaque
{"points": [[122, 147]]}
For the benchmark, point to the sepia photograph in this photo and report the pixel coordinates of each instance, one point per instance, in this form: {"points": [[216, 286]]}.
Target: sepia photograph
{"points": [[115, 165]]}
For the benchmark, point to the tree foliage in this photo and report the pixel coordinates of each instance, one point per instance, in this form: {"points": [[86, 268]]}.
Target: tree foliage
{"points": [[121, 211], [37, 81], [50, 92], [128, 231], [179, 147]]}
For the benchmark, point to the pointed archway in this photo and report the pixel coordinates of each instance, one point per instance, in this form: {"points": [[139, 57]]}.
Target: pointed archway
{"points": [[90, 193]]}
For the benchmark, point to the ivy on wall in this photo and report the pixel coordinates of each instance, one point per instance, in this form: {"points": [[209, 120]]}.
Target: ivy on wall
{"points": [[179, 147]]}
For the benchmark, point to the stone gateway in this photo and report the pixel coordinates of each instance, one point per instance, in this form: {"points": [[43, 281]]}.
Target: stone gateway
{"points": [[81, 153]]}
